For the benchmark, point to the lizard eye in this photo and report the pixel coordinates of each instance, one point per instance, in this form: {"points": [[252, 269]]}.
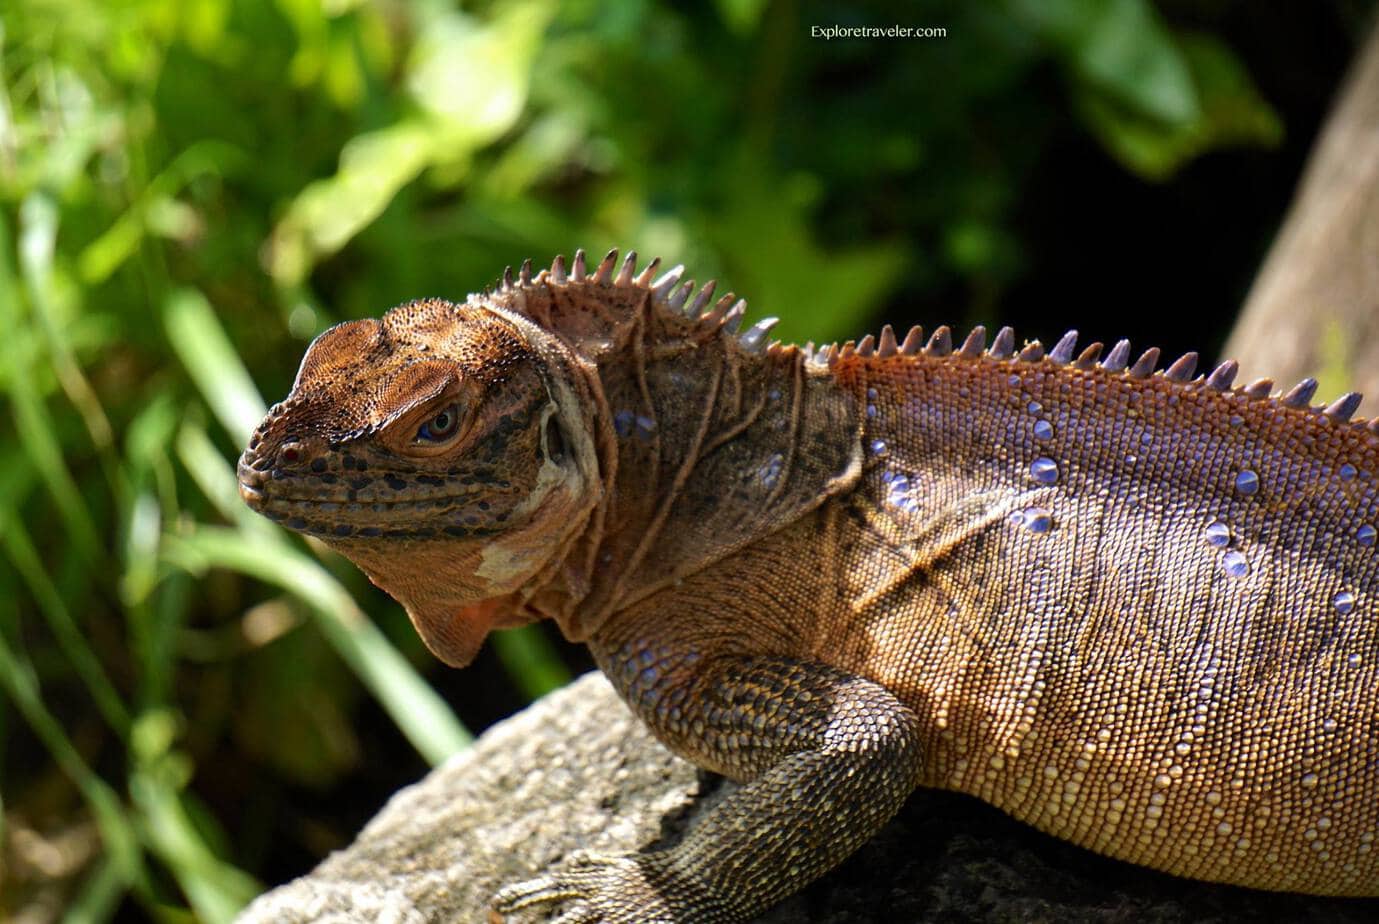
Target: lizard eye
{"points": [[440, 427]]}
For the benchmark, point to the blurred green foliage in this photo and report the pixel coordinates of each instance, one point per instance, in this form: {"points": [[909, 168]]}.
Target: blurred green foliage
{"points": [[190, 190]]}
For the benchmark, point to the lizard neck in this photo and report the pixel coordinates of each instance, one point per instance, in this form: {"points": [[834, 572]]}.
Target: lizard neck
{"points": [[706, 447]]}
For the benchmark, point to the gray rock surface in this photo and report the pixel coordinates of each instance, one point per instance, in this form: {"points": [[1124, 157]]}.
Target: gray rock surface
{"points": [[577, 771]]}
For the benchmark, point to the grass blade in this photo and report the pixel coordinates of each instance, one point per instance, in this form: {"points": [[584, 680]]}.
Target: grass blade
{"points": [[530, 660], [419, 713], [22, 553], [36, 429], [209, 358], [216, 890], [121, 841]]}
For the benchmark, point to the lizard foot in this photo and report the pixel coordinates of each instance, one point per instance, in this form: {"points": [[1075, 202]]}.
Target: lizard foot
{"points": [[600, 889]]}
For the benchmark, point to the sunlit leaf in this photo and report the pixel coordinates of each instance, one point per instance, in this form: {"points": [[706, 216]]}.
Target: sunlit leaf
{"points": [[741, 16], [470, 78], [473, 75], [1119, 48], [1232, 113], [373, 167]]}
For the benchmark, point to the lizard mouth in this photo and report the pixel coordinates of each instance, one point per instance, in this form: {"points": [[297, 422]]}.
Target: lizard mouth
{"points": [[251, 495], [340, 516], [269, 491]]}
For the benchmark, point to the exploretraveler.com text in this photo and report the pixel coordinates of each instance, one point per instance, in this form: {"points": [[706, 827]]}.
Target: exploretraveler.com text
{"points": [[844, 32]]}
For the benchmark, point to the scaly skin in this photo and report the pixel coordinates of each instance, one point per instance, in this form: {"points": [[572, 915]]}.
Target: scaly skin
{"points": [[1134, 609]]}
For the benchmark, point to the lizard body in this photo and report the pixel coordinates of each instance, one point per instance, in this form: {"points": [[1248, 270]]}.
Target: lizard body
{"points": [[1132, 608]]}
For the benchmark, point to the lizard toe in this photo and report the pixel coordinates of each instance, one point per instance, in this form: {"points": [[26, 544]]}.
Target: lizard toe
{"points": [[602, 890]]}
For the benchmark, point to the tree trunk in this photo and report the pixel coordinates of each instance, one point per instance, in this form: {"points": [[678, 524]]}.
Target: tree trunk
{"points": [[1314, 308]]}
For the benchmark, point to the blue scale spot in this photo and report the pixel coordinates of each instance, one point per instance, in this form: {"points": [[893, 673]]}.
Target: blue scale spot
{"points": [[1043, 430], [1347, 472], [1366, 535], [1344, 602], [1247, 482], [1218, 534], [1044, 470], [623, 422], [1235, 564], [1036, 519], [770, 472], [898, 493], [878, 446]]}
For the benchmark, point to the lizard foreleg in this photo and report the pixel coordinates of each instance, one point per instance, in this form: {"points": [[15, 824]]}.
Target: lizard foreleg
{"points": [[828, 757]]}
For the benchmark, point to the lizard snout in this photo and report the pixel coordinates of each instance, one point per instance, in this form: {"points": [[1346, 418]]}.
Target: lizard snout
{"points": [[251, 479]]}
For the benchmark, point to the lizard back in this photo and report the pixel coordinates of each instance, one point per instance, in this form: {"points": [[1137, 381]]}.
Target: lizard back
{"points": [[1137, 608]]}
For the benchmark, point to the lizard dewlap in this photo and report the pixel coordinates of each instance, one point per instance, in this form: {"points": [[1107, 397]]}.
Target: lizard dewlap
{"points": [[1132, 607]]}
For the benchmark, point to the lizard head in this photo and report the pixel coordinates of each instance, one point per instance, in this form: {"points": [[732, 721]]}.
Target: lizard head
{"points": [[445, 449]]}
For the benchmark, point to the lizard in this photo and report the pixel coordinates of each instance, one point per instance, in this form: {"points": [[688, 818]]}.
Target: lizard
{"points": [[1131, 606]]}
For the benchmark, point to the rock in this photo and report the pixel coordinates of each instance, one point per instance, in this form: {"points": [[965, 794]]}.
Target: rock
{"points": [[576, 771]]}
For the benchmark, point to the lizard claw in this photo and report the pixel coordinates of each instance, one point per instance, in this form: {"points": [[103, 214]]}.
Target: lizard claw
{"points": [[597, 890]]}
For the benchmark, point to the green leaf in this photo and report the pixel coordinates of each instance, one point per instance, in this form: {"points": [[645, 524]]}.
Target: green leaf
{"points": [[98, 896], [472, 75], [741, 16], [325, 215], [470, 79], [1120, 49], [819, 294], [75, 644], [1232, 113], [214, 475]]}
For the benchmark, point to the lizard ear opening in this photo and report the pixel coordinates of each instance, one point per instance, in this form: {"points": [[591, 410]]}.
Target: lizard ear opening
{"points": [[553, 441]]}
